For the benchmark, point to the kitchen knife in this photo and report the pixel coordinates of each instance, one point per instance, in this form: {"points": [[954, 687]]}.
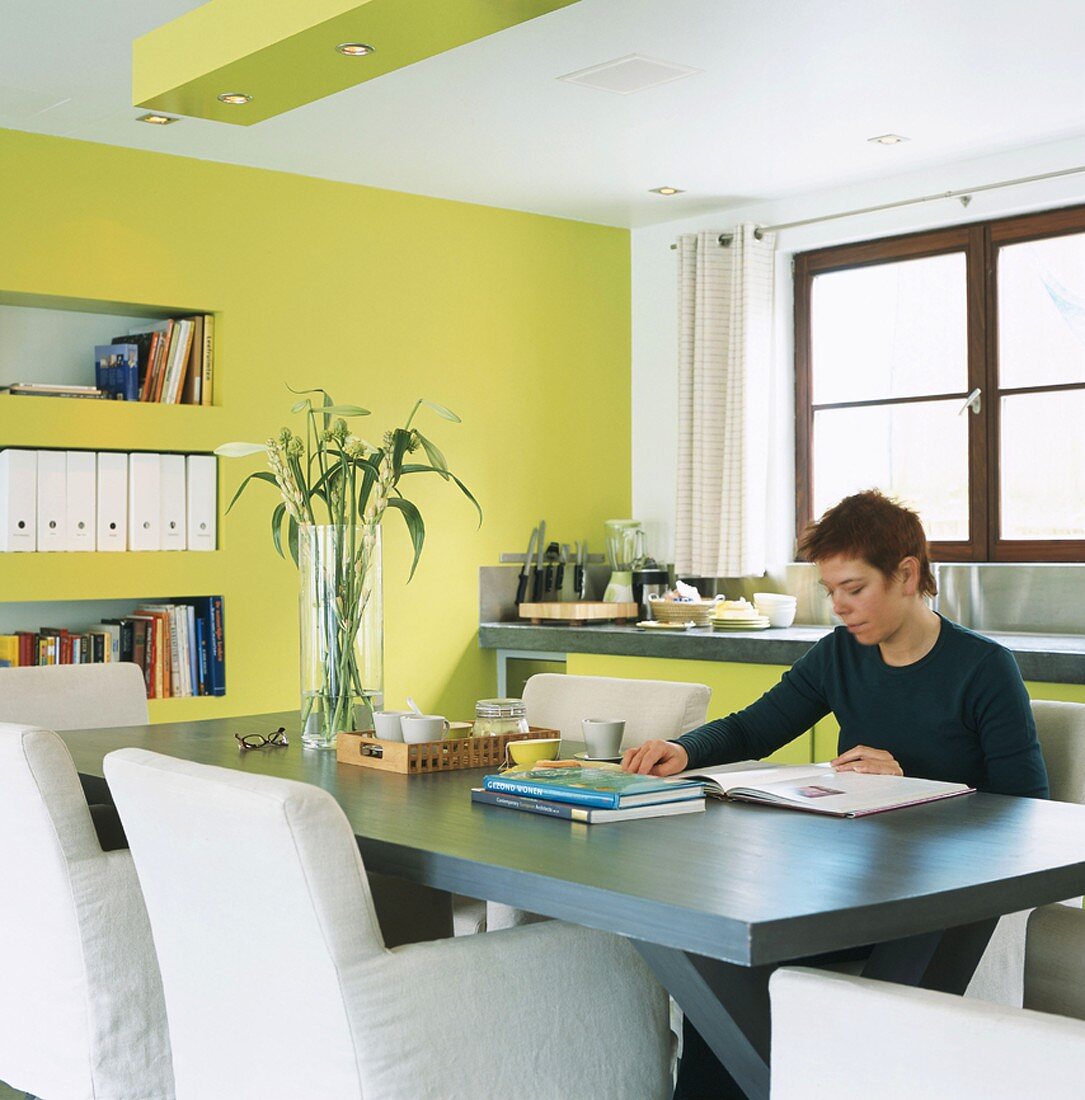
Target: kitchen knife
{"points": [[551, 551], [537, 587], [561, 567], [578, 573], [521, 583]]}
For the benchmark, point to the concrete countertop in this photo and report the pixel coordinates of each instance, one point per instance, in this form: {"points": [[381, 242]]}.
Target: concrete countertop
{"points": [[1051, 658]]}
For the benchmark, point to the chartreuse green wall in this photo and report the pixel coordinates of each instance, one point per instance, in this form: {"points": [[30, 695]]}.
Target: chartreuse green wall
{"points": [[519, 323], [737, 685]]}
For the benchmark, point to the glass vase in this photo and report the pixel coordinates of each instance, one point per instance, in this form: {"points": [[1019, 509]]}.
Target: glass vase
{"points": [[342, 643]]}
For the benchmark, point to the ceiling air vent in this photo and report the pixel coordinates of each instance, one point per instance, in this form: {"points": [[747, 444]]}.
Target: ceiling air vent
{"points": [[629, 74]]}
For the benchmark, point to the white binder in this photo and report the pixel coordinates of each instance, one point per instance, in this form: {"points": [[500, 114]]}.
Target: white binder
{"points": [[112, 501], [144, 507], [202, 501], [18, 500], [81, 493], [171, 493], [52, 500]]}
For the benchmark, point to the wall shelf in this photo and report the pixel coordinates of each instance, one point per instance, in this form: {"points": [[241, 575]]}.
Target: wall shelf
{"points": [[74, 424], [136, 575]]}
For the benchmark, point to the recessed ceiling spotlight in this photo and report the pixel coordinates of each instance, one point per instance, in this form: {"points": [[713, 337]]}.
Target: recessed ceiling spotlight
{"points": [[355, 49], [887, 139], [157, 120], [666, 190], [235, 97]]}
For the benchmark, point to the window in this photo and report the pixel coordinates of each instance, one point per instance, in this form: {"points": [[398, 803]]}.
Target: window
{"points": [[948, 368]]}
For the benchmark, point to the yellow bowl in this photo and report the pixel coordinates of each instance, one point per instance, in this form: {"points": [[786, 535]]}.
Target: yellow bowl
{"points": [[531, 752]]}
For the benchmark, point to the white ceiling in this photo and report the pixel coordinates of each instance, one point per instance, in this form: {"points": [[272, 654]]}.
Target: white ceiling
{"points": [[788, 93]]}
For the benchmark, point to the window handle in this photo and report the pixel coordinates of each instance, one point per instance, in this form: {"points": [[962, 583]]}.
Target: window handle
{"points": [[972, 401]]}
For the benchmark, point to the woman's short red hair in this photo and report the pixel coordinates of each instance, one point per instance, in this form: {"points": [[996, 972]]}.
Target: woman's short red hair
{"points": [[870, 526]]}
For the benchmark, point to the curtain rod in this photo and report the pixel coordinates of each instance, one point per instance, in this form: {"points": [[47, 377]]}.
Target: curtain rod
{"points": [[964, 194]]}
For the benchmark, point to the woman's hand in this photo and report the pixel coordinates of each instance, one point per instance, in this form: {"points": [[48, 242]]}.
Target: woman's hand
{"points": [[868, 761], [656, 758]]}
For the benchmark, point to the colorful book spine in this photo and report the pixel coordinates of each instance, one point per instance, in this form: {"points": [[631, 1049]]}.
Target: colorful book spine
{"points": [[563, 810], [208, 360], [218, 645], [605, 800]]}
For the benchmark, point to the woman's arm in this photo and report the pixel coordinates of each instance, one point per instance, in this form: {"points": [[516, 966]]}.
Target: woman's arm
{"points": [[1013, 763], [779, 716]]}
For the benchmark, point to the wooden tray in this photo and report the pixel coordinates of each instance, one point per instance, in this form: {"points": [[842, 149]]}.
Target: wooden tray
{"points": [[579, 611], [364, 748]]}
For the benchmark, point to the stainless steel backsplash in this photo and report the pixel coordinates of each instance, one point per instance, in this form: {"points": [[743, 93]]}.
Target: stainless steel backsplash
{"points": [[1030, 599]]}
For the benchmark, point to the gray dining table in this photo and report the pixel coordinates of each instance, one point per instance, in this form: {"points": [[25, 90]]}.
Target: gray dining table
{"points": [[714, 901]]}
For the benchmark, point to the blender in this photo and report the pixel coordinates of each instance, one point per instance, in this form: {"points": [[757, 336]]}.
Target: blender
{"points": [[625, 543]]}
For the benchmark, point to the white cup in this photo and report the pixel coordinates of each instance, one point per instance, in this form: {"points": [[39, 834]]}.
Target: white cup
{"points": [[418, 728], [602, 736], [386, 724]]}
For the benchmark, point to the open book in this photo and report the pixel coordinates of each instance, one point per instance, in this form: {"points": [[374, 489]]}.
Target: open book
{"points": [[817, 788]]}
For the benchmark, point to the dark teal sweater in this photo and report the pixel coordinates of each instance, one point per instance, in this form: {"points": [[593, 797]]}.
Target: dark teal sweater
{"points": [[960, 714]]}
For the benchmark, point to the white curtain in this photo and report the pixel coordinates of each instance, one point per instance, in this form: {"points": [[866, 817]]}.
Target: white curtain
{"points": [[725, 302]]}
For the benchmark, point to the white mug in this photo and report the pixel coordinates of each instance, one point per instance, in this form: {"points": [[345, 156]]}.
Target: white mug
{"points": [[602, 736], [386, 724], [418, 728]]}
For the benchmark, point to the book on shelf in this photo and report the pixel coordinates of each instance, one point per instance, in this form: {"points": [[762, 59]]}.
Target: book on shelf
{"points": [[176, 359], [116, 370], [608, 788], [144, 343], [816, 788], [588, 815], [190, 392], [179, 646], [207, 360], [53, 389]]}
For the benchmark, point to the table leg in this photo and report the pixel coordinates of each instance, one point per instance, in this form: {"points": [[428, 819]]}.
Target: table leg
{"points": [[727, 1004], [944, 961]]}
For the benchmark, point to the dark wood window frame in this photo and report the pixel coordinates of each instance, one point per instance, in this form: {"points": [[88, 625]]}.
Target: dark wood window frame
{"points": [[979, 243]]}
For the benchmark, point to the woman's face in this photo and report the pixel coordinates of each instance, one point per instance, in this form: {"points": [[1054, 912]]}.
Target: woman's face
{"points": [[871, 605]]}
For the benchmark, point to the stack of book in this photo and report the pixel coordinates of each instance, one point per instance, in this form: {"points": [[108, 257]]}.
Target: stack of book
{"points": [[53, 389], [176, 360], [179, 646], [591, 794]]}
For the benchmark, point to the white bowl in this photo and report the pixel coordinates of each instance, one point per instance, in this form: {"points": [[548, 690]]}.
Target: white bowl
{"points": [[779, 616], [777, 598]]}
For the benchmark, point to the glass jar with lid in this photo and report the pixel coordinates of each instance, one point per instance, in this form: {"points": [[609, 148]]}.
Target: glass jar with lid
{"points": [[498, 716]]}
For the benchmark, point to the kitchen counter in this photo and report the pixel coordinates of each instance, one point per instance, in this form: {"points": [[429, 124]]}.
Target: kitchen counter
{"points": [[1050, 658]]}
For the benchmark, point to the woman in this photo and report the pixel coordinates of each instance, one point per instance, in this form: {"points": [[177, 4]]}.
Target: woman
{"points": [[914, 693]]}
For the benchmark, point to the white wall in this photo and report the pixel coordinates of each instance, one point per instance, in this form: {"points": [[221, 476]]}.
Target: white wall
{"points": [[655, 380]]}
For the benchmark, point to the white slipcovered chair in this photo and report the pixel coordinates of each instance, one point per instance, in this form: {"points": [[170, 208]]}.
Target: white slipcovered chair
{"points": [[279, 985], [71, 697], [662, 709], [81, 1009], [1060, 728], [901, 1043], [651, 709]]}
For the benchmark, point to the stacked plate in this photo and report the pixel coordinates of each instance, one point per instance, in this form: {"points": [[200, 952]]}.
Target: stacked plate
{"points": [[737, 615]]}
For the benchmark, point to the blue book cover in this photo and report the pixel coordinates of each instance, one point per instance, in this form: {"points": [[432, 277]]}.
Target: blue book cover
{"points": [[608, 788], [116, 370], [587, 815]]}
